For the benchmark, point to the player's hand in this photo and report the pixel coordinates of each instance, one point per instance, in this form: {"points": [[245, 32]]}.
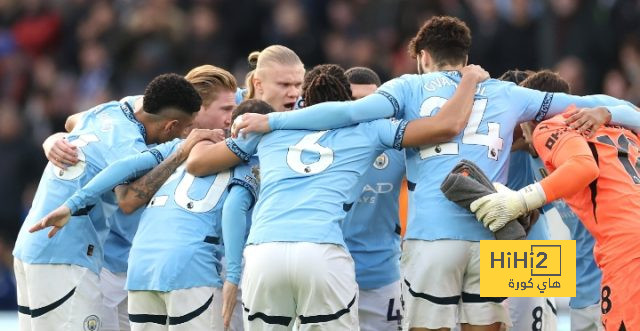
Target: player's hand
{"points": [[475, 72], [57, 219], [497, 209], [586, 120], [198, 135], [250, 122], [60, 152], [229, 295]]}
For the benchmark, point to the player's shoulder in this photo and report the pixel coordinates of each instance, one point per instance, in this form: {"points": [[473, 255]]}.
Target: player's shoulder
{"points": [[553, 123]]}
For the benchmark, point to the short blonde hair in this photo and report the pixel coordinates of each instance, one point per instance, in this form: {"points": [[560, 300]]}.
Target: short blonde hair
{"points": [[209, 80], [260, 59]]}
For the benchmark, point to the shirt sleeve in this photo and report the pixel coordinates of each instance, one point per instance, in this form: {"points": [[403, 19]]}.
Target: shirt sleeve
{"points": [[234, 218], [390, 133], [244, 147], [567, 154], [113, 175], [247, 175], [332, 115], [539, 105]]}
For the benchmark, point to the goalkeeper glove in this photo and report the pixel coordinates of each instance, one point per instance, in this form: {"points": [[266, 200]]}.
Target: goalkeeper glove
{"points": [[497, 209]]}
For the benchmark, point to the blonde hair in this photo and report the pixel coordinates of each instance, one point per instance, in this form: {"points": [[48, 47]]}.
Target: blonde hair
{"points": [[259, 59], [209, 80]]}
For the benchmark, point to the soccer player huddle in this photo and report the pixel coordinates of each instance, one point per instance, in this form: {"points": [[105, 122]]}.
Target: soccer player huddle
{"points": [[153, 220]]}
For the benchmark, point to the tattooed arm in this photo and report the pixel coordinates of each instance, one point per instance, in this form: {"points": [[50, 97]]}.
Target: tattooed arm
{"points": [[137, 194]]}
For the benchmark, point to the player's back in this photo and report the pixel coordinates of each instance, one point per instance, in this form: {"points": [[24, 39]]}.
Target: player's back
{"points": [[486, 141], [610, 206], [308, 176], [371, 228], [106, 133], [181, 225]]}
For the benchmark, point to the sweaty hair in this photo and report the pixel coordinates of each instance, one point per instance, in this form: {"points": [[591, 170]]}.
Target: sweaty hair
{"points": [[325, 82], [251, 106], [362, 75], [209, 80], [547, 81], [515, 76], [446, 38], [171, 90], [273, 54]]}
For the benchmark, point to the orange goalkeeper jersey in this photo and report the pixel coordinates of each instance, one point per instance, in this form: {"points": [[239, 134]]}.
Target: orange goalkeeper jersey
{"points": [[609, 207]]}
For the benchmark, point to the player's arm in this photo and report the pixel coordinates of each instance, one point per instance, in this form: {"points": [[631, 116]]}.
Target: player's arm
{"points": [[559, 147], [137, 194], [72, 120], [104, 181], [59, 151], [599, 109], [330, 115], [206, 159], [234, 218], [447, 123]]}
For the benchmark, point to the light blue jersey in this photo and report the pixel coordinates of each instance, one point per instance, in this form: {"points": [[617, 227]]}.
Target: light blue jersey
{"points": [[105, 134], [180, 232], [307, 177], [240, 95], [122, 228], [372, 227], [588, 275], [486, 140], [525, 169]]}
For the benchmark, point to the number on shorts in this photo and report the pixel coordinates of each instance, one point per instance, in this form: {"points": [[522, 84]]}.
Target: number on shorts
{"points": [[181, 195], [310, 144], [605, 302], [537, 319], [470, 136], [390, 311], [77, 169]]}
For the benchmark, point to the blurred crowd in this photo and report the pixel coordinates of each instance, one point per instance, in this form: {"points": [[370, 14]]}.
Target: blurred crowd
{"points": [[59, 57]]}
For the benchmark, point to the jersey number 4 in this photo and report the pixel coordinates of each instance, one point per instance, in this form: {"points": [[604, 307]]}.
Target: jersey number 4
{"points": [[470, 135]]}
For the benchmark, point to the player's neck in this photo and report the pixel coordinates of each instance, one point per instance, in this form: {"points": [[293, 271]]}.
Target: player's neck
{"points": [[448, 67]]}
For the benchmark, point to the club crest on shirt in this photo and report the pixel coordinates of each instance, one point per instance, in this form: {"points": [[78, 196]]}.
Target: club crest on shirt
{"points": [[91, 323], [381, 162], [255, 171]]}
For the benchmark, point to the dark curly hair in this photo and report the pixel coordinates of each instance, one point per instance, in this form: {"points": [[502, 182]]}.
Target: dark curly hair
{"points": [[325, 82], [251, 106], [446, 38], [171, 90], [515, 75], [362, 75], [547, 81]]}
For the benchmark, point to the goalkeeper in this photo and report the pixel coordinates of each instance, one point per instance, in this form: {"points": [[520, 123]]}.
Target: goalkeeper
{"points": [[599, 178]]}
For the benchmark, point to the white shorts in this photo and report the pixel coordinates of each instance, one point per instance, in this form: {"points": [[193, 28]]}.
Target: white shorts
{"points": [[587, 319], [537, 314], [381, 309], [236, 317], [114, 297], [313, 282], [56, 297], [188, 309], [442, 286]]}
